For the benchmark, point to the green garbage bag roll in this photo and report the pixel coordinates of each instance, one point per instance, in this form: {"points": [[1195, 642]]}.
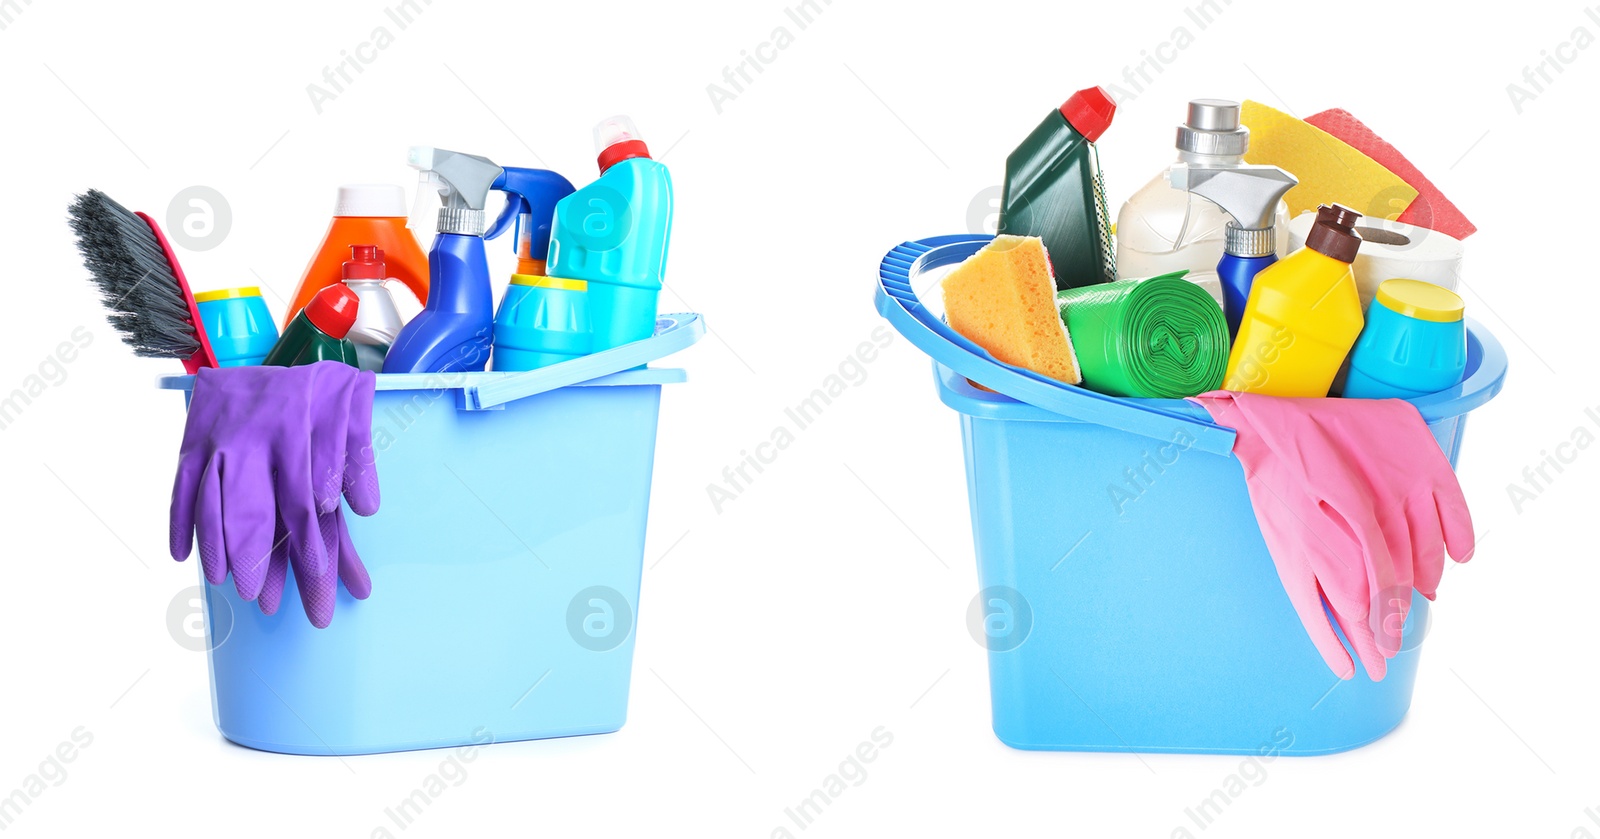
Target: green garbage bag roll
{"points": [[1159, 337]]}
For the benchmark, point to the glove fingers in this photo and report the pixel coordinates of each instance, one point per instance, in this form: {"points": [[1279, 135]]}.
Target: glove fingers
{"points": [[180, 522], [1456, 520], [1294, 572], [208, 523], [297, 506], [1427, 545], [251, 524], [318, 591], [360, 467], [277, 571], [351, 570], [1359, 633], [329, 422]]}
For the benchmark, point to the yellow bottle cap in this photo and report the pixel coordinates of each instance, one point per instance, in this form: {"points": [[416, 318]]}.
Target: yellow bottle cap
{"points": [[228, 293], [533, 281], [1421, 300]]}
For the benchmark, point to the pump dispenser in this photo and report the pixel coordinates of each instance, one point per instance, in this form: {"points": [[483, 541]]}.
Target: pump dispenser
{"points": [[1251, 194], [452, 333], [1165, 228]]}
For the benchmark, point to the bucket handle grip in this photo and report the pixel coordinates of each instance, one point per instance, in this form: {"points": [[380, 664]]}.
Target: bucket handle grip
{"points": [[674, 332], [898, 302]]}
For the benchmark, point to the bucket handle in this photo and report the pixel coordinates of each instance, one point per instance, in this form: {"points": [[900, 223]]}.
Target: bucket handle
{"points": [[898, 302], [674, 332]]}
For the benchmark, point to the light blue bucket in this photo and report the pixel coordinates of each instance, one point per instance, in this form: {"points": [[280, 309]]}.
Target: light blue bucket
{"points": [[505, 563], [1143, 616]]}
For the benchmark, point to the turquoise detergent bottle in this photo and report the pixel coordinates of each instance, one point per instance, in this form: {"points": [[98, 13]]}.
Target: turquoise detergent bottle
{"points": [[612, 234], [542, 320]]}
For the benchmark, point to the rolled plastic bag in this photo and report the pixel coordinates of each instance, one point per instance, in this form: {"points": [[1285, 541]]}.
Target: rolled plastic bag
{"points": [[1162, 337]]}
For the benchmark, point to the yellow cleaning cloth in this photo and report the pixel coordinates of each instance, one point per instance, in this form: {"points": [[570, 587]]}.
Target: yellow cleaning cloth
{"points": [[1330, 170], [1003, 298]]}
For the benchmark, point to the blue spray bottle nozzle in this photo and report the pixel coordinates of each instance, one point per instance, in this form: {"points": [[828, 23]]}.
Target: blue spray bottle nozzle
{"points": [[531, 196]]}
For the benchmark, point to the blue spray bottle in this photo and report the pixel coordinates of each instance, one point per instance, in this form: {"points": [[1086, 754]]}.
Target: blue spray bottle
{"points": [[1250, 193], [453, 332], [613, 234], [542, 320]]}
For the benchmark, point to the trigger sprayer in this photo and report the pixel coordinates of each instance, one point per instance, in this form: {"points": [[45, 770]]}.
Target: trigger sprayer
{"points": [[542, 320], [531, 196], [1250, 193], [453, 332]]}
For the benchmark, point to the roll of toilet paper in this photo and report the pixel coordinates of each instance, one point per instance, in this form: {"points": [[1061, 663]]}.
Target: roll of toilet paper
{"points": [[1393, 250]]}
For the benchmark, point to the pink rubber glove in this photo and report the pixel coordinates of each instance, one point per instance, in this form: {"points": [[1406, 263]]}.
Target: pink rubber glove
{"points": [[1357, 505]]}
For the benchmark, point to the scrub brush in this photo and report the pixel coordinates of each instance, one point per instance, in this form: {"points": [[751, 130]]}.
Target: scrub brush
{"points": [[129, 259]]}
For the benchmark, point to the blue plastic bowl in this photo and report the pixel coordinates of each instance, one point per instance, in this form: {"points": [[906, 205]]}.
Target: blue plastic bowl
{"points": [[1139, 607]]}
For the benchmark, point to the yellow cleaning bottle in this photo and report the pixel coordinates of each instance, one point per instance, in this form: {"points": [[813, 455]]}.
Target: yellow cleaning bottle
{"points": [[1303, 314]]}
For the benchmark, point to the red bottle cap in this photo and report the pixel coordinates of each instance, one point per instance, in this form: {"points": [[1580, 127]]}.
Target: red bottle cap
{"points": [[617, 139], [366, 263], [617, 152], [333, 310], [1089, 112]]}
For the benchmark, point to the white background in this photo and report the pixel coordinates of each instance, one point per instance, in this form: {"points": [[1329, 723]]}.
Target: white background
{"points": [[828, 599]]}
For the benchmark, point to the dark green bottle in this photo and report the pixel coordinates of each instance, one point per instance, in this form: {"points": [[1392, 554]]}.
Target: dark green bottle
{"points": [[317, 332], [1053, 190]]}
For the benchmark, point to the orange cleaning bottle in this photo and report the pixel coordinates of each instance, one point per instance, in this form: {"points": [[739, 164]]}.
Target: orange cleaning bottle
{"points": [[365, 214]]}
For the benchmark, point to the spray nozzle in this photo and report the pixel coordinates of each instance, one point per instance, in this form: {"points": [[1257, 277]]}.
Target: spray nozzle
{"points": [[531, 196], [462, 181], [1248, 192]]}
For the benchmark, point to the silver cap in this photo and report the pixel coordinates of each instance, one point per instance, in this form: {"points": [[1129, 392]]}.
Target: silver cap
{"points": [[1213, 128], [462, 220]]}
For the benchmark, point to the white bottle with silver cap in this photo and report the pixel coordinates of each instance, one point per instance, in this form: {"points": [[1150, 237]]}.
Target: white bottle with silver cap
{"points": [[1164, 228]]}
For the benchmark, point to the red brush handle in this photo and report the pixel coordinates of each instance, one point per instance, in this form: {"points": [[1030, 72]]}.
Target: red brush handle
{"points": [[203, 357]]}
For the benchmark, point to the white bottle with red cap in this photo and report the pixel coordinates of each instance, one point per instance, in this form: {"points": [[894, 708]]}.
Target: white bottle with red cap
{"points": [[613, 234], [377, 320]]}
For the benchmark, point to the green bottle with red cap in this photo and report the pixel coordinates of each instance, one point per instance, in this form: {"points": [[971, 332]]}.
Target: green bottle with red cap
{"points": [[1053, 190], [318, 332]]}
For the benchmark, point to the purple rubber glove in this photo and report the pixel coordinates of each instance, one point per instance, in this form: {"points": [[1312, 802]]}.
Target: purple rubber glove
{"points": [[268, 442], [1357, 505], [317, 591]]}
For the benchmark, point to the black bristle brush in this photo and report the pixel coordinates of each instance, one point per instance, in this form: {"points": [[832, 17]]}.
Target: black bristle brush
{"points": [[143, 288]]}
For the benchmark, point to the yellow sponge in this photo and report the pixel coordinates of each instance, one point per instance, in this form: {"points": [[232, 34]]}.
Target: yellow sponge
{"points": [[1330, 170], [1003, 298]]}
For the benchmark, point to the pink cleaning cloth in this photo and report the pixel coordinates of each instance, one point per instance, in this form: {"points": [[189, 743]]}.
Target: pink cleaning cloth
{"points": [[1430, 209], [1357, 505]]}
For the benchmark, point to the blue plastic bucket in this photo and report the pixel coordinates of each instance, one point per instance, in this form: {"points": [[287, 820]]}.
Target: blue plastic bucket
{"points": [[505, 561], [1132, 605]]}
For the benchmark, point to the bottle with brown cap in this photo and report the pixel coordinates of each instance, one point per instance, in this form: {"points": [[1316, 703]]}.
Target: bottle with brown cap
{"points": [[1303, 314]]}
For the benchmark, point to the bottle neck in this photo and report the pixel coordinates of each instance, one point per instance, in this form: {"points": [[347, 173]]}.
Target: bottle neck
{"points": [[1194, 158]]}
